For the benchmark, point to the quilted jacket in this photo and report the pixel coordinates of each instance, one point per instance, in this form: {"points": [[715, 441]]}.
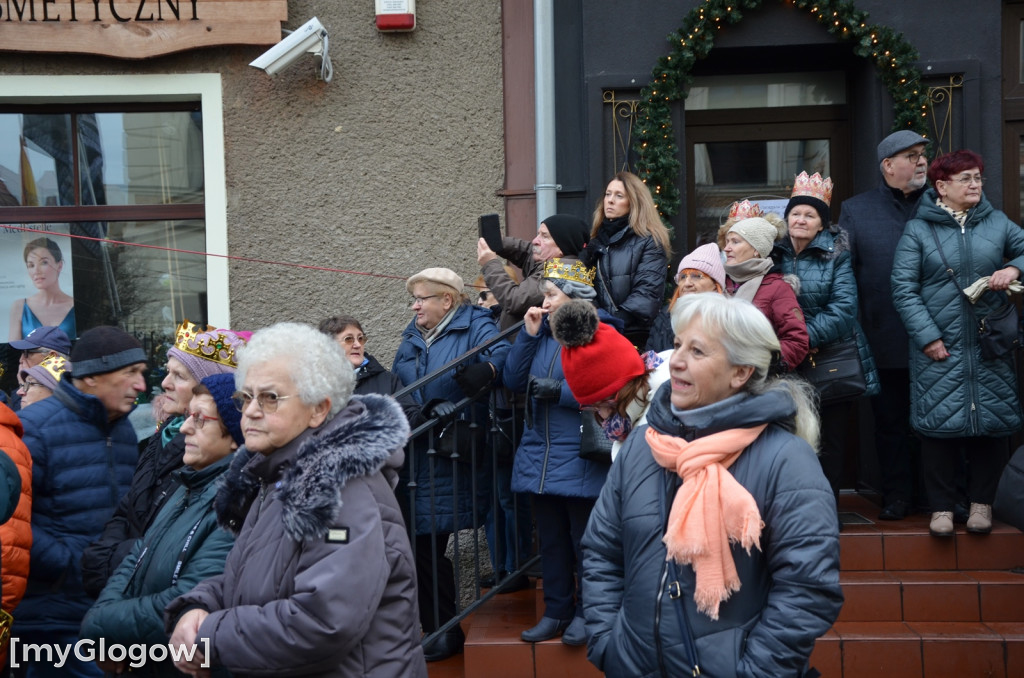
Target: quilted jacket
{"points": [[963, 395], [16, 533], [82, 465], [827, 293], [630, 280], [789, 588], [547, 460], [182, 547], [470, 327]]}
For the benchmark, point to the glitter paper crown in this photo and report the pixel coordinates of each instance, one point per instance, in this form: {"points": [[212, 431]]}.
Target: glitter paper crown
{"points": [[745, 210], [556, 268], [208, 344], [55, 365], [813, 186]]}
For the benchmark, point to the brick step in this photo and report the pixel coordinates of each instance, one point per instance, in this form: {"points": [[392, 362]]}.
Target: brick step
{"points": [[868, 544], [921, 650], [927, 596]]}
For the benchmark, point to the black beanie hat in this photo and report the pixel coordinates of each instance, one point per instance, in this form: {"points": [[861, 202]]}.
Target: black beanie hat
{"points": [[104, 349], [569, 232], [819, 205]]}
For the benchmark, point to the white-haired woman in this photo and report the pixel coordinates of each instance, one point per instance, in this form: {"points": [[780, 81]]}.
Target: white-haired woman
{"points": [[725, 469], [320, 580]]}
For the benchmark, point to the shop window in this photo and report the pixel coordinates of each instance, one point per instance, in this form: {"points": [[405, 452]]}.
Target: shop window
{"points": [[107, 207]]}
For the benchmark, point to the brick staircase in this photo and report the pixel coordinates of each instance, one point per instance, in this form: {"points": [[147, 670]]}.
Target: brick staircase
{"points": [[916, 607]]}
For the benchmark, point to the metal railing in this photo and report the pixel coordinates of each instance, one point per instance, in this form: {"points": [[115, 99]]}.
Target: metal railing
{"points": [[478, 456]]}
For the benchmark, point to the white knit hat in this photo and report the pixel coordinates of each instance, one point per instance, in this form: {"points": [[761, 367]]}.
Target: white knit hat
{"points": [[757, 231]]}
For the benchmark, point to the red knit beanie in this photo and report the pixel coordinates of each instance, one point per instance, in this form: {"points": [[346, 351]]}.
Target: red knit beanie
{"points": [[597, 361]]}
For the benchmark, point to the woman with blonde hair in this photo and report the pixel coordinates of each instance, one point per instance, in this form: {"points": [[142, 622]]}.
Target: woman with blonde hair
{"points": [[629, 246], [720, 498]]}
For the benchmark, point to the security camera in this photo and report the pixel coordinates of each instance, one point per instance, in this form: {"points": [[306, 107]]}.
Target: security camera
{"points": [[310, 37]]}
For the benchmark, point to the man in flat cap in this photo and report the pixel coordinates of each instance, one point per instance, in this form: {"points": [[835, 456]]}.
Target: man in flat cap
{"points": [[874, 221], [84, 452]]}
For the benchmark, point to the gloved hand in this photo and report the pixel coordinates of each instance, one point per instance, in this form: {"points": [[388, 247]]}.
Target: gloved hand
{"points": [[474, 379], [543, 388], [442, 410]]}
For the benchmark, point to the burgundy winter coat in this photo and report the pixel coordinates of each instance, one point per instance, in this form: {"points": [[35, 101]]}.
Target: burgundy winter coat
{"points": [[777, 300]]}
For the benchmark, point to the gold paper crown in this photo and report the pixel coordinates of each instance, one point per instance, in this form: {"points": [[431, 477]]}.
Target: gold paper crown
{"points": [[569, 270], [745, 210], [208, 344], [813, 186], [55, 365]]}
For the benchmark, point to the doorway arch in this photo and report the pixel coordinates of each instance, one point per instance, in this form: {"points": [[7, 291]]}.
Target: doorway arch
{"points": [[658, 163]]}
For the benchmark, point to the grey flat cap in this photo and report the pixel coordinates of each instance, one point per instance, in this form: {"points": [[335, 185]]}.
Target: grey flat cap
{"points": [[899, 141]]}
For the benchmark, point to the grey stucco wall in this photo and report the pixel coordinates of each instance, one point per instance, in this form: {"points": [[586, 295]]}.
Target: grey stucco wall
{"points": [[382, 171]]}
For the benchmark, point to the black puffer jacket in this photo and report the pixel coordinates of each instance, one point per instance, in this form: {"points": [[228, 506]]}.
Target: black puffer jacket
{"points": [[152, 484], [789, 592], [631, 274], [372, 377]]}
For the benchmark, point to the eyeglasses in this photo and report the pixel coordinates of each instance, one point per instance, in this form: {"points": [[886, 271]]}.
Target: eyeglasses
{"points": [[26, 385], [37, 351], [420, 300], [200, 419], [349, 340], [266, 401], [691, 274], [484, 294], [968, 179], [913, 156]]}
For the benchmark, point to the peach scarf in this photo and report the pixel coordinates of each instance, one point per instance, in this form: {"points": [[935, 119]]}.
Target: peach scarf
{"points": [[711, 509]]}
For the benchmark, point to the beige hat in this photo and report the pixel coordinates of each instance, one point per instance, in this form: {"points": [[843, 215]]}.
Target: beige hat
{"points": [[442, 276], [757, 231]]}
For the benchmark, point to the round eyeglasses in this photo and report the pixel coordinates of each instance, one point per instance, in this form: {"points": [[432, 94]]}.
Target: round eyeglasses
{"points": [[266, 401]]}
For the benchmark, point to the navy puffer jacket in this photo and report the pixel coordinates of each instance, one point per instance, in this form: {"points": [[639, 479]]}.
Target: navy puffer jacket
{"points": [[547, 460], [963, 395], [789, 593], [82, 465], [630, 280], [470, 327], [827, 293]]}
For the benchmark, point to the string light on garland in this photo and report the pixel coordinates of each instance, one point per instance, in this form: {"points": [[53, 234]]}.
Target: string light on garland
{"points": [[658, 164]]}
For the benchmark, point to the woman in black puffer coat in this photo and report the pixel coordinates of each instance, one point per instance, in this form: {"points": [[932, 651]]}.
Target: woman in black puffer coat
{"points": [[630, 248]]}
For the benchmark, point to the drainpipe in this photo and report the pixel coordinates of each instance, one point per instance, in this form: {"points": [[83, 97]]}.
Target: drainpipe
{"points": [[544, 111]]}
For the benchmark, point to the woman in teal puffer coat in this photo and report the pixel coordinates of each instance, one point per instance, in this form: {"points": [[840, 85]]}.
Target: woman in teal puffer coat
{"points": [[818, 254], [183, 546], [959, 401]]}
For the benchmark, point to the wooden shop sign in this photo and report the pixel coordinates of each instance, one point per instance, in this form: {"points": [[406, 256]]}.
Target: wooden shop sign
{"points": [[136, 29]]}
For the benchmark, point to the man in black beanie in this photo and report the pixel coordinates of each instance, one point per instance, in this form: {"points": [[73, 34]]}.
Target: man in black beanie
{"points": [[84, 451], [560, 235]]}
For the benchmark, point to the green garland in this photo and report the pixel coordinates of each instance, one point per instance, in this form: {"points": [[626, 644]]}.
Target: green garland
{"points": [[658, 162]]}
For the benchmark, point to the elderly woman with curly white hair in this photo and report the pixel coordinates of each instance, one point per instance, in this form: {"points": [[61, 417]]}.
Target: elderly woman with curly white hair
{"points": [[714, 542], [320, 580]]}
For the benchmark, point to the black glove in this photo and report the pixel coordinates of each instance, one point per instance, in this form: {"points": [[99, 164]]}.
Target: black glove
{"points": [[543, 388], [474, 379], [590, 253], [442, 410]]}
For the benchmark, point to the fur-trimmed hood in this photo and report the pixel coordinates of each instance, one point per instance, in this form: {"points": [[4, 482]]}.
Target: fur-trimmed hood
{"points": [[368, 435], [829, 244]]}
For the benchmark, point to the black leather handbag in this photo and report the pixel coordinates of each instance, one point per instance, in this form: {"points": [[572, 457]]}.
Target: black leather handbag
{"points": [[835, 371], [594, 444], [999, 332]]}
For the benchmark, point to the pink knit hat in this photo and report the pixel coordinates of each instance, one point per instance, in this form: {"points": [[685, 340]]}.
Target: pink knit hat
{"points": [[706, 259]]}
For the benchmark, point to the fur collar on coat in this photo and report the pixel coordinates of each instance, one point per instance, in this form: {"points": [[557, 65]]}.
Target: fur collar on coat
{"points": [[366, 436]]}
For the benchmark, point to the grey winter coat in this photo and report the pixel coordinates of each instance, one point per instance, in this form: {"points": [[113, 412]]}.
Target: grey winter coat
{"points": [[321, 580], [827, 293], [789, 593], [963, 395]]}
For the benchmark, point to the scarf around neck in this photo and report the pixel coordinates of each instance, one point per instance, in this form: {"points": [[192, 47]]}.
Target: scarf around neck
{"points": [[434, 332], [960, 216], [749, 274], [711, 510]]}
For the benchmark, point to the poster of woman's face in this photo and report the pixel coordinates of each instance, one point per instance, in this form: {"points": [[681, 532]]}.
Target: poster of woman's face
{"points": [[35, 281]]}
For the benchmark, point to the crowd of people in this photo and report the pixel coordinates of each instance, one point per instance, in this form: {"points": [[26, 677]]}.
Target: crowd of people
{"points": [[292, 511]]}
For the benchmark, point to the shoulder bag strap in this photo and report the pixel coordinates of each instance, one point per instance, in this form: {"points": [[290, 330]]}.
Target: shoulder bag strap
{"points": [[952, 274]]}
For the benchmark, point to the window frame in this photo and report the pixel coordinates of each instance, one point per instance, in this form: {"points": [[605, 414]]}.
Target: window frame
{"points": [[204, 88]]}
